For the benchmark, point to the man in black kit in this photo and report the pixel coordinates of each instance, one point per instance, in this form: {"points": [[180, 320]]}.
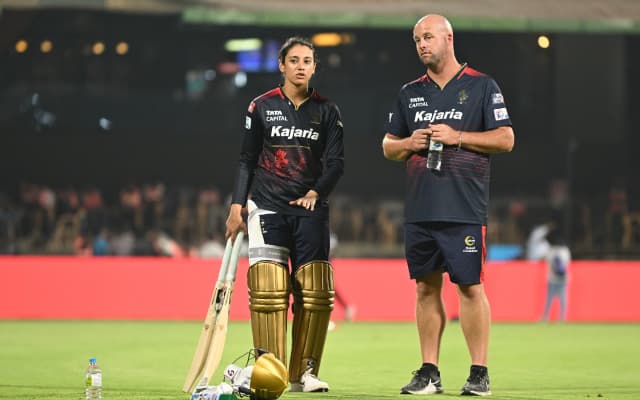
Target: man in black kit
{"points": [[462, 111]]}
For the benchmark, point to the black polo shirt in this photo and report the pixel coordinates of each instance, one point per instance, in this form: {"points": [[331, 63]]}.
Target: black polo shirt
{"points": [[459, 192]]}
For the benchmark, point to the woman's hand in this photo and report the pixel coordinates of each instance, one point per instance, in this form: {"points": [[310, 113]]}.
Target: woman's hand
{"points": [[235, 222], [308, 201]]}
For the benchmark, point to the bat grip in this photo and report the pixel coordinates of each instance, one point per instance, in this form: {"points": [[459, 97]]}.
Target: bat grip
{"points": [[225, 260], [235, 254]]}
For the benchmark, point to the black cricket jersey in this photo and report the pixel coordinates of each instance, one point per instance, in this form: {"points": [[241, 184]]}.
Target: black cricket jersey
{"points": [[287, 151], [459, 192]]}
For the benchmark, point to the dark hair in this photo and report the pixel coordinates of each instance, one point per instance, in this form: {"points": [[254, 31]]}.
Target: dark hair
{"points": [[295, 40]]}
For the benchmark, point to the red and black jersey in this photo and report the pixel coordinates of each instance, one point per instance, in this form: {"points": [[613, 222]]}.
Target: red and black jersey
{"points": [[288, 150], [459, 192]]}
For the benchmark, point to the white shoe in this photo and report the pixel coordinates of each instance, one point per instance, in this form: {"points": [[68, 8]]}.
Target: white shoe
{"points": [[309, 383]]}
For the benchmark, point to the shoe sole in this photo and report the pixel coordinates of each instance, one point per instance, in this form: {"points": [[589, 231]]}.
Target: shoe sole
{"points": [[321, 390], [475, 393], [422, 392], [299, 389], [428, 390]]}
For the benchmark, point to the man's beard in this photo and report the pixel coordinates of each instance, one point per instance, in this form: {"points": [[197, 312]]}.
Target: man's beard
{"points": [[432, 62]]}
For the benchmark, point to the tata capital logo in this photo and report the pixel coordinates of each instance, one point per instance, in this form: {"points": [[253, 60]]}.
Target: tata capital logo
{"points": [[274, 115], [470, 244], [418, 102]]}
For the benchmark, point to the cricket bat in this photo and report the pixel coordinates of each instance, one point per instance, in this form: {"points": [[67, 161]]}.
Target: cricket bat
{"points": [[209, 321], [214, 329]]}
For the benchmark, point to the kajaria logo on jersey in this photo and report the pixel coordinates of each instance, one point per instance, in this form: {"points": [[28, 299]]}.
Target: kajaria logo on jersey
{"points": [[293, 132], [424, 116]]}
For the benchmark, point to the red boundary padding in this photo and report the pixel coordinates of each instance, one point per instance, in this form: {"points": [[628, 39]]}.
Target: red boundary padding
{"points": [[380, 289]]}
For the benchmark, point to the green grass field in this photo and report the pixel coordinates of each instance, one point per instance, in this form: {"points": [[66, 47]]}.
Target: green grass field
{"points": [[148, 360]]}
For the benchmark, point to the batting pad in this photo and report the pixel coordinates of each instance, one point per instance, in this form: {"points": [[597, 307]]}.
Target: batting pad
{"points": [[313, 293], [268, 284], [258, 249]]}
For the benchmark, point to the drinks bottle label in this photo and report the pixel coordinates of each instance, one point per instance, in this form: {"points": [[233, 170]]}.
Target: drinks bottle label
{"points": [[95, 380]]}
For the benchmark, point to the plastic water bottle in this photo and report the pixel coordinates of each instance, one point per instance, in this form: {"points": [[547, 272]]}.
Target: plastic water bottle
{"points": [[213, 395], [434, 157], [93, 381]]}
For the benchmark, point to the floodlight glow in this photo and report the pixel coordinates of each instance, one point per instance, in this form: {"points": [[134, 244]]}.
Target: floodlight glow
{"points": [[46, 46], [122, 48], [240, 79], [22, 46], [248, 44], [97, 48], [544, 42], [326, 39]]}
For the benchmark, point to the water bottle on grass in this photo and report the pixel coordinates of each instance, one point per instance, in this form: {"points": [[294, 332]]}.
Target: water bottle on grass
{"points": [[93, 381]]}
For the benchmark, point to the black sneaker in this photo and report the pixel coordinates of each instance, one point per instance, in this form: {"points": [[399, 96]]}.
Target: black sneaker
{"points": [[424, 382], [477, 383]]}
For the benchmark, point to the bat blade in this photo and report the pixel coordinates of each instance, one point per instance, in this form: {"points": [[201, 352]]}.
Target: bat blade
{"points": [[218, 339], [219, 336], [208, 326]]}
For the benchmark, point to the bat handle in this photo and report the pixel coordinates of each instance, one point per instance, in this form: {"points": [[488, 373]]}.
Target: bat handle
{"points": [[224, 266], [235, 254]]}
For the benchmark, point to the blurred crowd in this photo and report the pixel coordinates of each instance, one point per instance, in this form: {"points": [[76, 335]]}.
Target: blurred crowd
{"points": [[153, 219], [140, 220]]}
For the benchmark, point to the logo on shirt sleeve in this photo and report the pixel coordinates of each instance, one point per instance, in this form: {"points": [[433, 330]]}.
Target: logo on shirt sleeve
{"points": [[500, 114], [252, 105], [390, 116], [247, 122], [496, 98]]}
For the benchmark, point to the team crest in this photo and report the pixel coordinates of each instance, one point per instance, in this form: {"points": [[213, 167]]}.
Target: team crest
{"points": [[463, 97]]}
